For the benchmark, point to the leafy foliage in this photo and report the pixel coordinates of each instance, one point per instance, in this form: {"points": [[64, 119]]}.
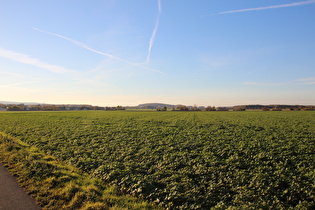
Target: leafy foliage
{"points": [[185, 160], [55, 185]]}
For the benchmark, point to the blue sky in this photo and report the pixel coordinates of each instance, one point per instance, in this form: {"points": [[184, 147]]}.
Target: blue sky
{"points": [[123, 52]]}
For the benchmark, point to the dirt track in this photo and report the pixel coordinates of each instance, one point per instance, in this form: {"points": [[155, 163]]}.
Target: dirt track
{"points": [[12, 196]]}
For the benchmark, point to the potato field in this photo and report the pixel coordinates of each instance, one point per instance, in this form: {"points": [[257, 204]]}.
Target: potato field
{"points": [[184, 160]]}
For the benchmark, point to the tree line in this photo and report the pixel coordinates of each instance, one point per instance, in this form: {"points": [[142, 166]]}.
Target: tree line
{"points": [[52, 107], [45, 107]]}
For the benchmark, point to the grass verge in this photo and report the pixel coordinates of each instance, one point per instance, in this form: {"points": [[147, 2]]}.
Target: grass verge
{"points": [[55, 185]]}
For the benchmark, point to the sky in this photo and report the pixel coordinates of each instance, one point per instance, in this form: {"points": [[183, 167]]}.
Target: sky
{"points": [[123, 52]]}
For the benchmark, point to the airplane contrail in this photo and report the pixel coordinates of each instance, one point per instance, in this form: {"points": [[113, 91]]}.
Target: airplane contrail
{"points": [[22, 58], [80, 44], [270, 7], [154, 31], [16, 84]]}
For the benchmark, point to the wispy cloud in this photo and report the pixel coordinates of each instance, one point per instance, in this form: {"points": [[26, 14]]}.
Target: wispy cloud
{"points": [[15, 84], [11, 74], [25, 77], [270, 7], [26, 59], [263, 84], [307, 81], [302, 81], [154, 31], [80, 44]]}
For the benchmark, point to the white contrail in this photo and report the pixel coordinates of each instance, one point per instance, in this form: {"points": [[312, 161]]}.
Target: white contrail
{"points": [[15, 84], [22, 58], [80, 44], [154, 31], [18, 75], [307, 79], [270, 7], [11, 74]]}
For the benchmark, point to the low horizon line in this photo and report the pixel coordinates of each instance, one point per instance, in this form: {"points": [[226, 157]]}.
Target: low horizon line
{"points": [[85, 104]]}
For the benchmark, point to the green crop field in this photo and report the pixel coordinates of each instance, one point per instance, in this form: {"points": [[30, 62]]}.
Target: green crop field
{"points": [[184, 160]]}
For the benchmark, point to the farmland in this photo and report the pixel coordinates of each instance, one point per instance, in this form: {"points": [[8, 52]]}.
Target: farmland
{"points": [[184, 160]]}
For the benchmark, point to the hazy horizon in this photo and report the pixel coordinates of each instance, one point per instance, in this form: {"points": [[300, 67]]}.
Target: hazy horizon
{"points": [[189, 105], [117, 52]]}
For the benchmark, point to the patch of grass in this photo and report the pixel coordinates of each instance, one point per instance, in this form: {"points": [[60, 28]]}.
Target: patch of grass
{"points": [[59, 186]]}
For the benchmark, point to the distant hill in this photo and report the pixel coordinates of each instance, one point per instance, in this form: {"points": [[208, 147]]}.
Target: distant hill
{"points": [[154, 106]]}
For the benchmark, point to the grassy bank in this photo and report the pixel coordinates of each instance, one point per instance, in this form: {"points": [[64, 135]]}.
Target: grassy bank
{"points": [[59, 186]]}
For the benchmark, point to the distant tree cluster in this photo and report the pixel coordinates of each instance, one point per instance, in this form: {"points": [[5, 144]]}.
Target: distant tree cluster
{"points": [[239, 108], [210, 108], [245, 107], [157, 106], [213, 108], [161, 109], [222, 109], [113, 108], [120, 108], [188, 108], [274, 107], [14, 108], [46, 107], [180, 108], [199, 108], [288, 108]]}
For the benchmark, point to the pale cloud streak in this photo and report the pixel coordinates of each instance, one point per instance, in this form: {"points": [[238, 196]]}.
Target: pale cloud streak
{"points": [[270, 7], [263, 84], [15, 84], [302, 81], [82, 45], [157, 23], [307, 81], [27, 77], [11, 74], [26, 59]]}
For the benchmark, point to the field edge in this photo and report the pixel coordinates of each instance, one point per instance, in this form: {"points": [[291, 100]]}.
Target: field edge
{"points": [[56, 185]]}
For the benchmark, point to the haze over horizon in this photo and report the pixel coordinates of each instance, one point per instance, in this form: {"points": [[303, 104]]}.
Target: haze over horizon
{"points": [[118, 52]]}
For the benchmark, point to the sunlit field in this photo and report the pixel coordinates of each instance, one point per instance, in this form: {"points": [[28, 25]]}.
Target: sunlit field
{"points": [[183, 160]]}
